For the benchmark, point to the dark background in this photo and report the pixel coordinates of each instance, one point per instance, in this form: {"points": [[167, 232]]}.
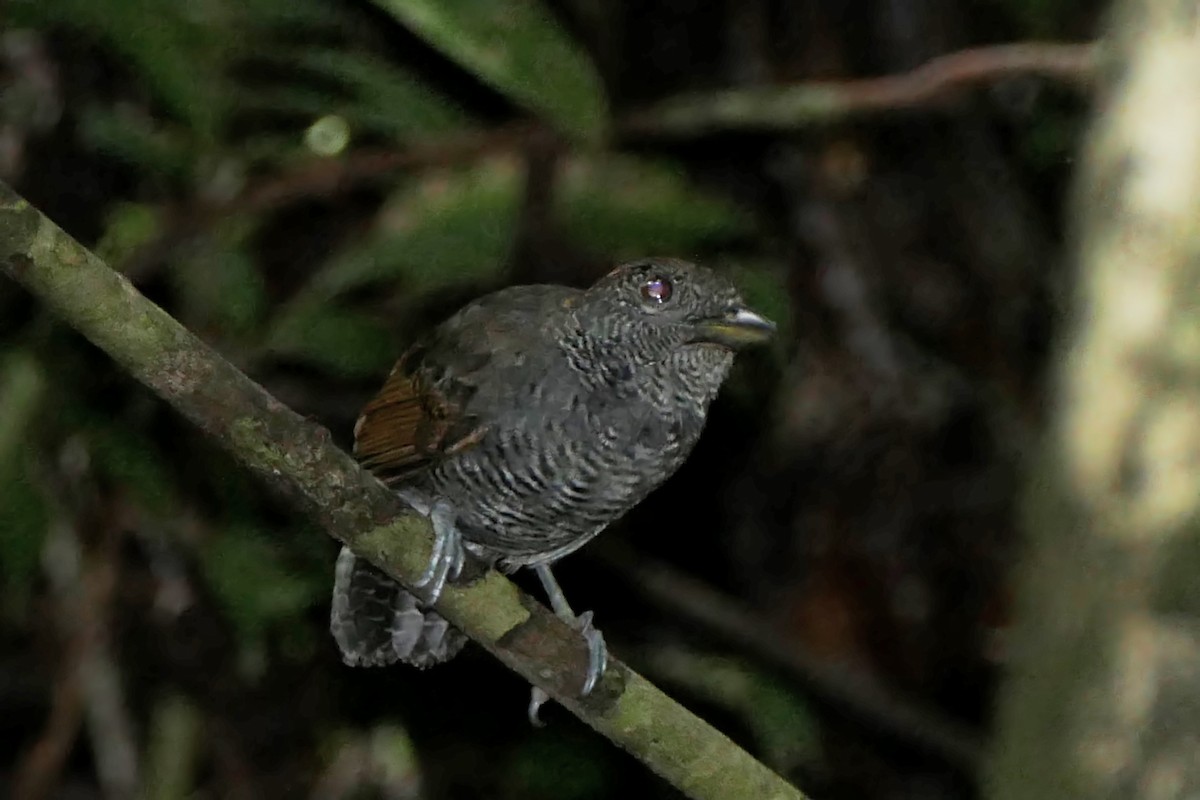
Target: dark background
{"points": [[849, 516]]}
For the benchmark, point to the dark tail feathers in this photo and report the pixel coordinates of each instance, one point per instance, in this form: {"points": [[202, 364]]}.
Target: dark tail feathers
{"points": [[376, 622]]}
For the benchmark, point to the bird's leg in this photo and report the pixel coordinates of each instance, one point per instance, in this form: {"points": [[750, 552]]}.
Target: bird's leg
{"points": [[597, 650], [446, 559]]}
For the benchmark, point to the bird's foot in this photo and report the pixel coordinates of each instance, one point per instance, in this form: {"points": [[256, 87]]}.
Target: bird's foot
{"points": [[597, 652], [597, 663], [448, 556]]}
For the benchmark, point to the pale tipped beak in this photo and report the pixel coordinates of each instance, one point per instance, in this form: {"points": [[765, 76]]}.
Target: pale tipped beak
{"points": [[739, 328]]}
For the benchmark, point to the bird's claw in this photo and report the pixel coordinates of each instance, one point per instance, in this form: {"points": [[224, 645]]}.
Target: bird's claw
{"points": [[597, 652], [597, 664], [448, 556], [537, 698]]}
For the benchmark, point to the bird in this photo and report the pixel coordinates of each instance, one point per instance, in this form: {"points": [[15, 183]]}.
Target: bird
{"points": [[523, 426]]}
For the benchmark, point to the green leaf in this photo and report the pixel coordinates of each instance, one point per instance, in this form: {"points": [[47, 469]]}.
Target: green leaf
{"points": [[783, 724], [389, 98], [24, 517], [518, 48], [559, 767], [22, 386], [779, 718], [342, 342], [375, 96], [135, 463], [272, 15], [129, 227], [254, 585], [220, 287], [23, 512], [177, 48], [394, 755], [450, 227], [173, 746], [625, 207], [169, 151]]}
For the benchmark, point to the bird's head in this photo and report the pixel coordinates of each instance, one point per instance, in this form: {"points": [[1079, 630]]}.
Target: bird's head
{"points": [[659, 305]]}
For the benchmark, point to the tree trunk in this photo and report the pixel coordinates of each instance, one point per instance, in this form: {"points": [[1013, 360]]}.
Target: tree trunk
{"points": [[1104, 701]]}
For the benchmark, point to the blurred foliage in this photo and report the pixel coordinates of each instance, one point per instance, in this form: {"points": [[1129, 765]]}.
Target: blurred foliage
{"points": [[779, 720], [516, 47], [23, 515], [308, 183], [629, 207], [178, 49], [257, 591], [175, 727], [558, 767], [448, 226]]}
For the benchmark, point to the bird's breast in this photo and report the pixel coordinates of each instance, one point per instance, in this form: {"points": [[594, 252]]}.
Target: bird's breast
{"points": [[546, 480]]}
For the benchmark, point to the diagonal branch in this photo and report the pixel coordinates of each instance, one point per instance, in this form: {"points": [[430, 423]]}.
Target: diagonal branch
{"points": [[296, 458]]}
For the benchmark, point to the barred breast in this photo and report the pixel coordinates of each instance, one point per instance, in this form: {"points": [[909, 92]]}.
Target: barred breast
{"points": [[544, 481]]}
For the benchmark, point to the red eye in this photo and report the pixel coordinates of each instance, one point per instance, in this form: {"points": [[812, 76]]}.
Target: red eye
{"points": [[657, 291]]}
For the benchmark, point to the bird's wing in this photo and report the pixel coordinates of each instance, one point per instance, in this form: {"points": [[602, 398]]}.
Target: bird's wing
{"points": [[424, 410], [408, 423]]}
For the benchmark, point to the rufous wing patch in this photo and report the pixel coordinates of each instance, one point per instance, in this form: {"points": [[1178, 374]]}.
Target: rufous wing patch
{"points": [[409, 424]]}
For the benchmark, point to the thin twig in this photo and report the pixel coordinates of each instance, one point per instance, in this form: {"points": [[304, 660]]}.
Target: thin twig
{"points": [[82, 583], [38, 769], [804, 105]]}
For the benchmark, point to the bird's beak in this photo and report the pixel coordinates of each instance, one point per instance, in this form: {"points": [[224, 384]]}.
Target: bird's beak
{"points": [[739, 328]]}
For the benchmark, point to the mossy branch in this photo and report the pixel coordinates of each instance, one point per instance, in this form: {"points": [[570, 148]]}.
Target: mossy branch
{"points": [[296, 457]]}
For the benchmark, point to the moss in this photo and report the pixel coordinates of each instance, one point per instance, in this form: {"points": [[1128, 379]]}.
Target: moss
{"points": [[683, 750], [493, 606], [18, 228], [252, 445]]}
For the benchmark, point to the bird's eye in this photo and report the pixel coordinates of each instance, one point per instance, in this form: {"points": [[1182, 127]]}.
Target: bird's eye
{"points": [[657, 291]]}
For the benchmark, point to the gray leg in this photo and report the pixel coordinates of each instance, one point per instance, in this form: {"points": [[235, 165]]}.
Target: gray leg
{"points": [[597, 650]]}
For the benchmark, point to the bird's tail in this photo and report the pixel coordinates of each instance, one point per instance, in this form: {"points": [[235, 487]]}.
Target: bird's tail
{"points": [[376, 621]]}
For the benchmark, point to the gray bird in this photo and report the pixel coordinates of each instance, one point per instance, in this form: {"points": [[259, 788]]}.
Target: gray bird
{"points": [[526, 424]]}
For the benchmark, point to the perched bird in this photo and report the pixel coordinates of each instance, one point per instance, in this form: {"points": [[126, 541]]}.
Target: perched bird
{"points": [[524, 425]]}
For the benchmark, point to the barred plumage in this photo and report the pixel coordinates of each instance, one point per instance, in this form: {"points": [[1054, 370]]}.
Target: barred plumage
{"points": [[541, 414]]}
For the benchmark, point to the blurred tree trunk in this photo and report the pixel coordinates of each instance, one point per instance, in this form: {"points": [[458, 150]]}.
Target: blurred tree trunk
{"points": [[1105, 698]]}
